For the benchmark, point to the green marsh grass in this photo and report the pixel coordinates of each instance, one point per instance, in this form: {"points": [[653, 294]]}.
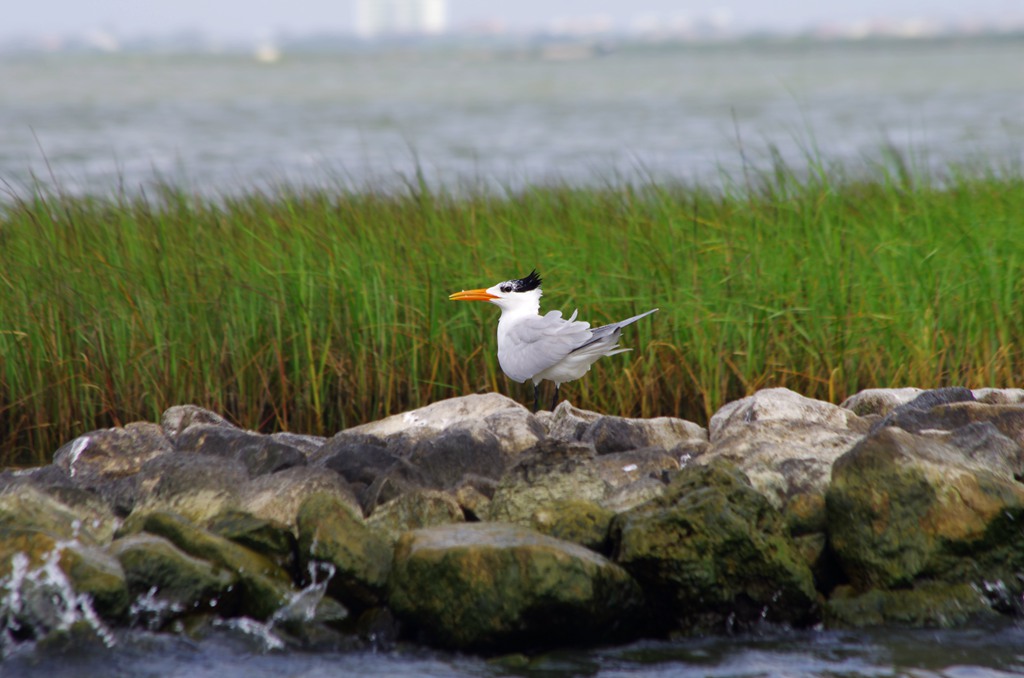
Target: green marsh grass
{"points": [[314, 310]]}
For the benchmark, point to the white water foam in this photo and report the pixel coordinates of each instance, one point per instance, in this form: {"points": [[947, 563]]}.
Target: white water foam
{"points": [[38, 602], [300, 608]]}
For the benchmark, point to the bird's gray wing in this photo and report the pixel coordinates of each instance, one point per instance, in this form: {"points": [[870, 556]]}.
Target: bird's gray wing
{"points": [[536, 343], [605, 331]]}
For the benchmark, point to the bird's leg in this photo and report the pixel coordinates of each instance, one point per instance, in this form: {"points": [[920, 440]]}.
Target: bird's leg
{"points": [[554, 401], [536, 397]]}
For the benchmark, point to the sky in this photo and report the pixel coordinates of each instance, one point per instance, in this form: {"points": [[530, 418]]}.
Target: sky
{"points": [[239, 19]]}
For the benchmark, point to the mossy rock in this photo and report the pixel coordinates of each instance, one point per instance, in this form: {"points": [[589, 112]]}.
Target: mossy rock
{"points": [[713, 552], [25, 507], [413, 510], [89, 570], [581, 522], [930, 605], [181, 582], [331, 531], [496, 586], [265, 586], [266, 537], [903, 507], [553, 472]]}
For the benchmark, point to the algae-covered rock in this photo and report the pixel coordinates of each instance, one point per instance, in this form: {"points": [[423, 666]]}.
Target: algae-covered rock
{"points": [[413, 510], [498, 586], [331, 531], [713, 550], [551, 472], [265, 586], [25, 507], [933, 604], [266, 537], [576, 520], [88, 570], [196, 486], [182, 583], [903, 506], [278, 496]]}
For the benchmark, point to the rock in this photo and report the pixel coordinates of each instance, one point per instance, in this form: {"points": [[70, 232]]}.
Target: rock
{"points": [[63, 571], [552, 472], [264, 586], [278, 496], [933, 605], [556, 471], [259, 453], [359, 460], [580, 522], [633, 494], [503, 418], [492, 586], [413, 510], [565, 422], [25, 507], [618, 434], [879, 401], [196, 486], [264, 536], [904, 416], [179, 582], [332, 532], [990, 434], [622, 468], [178, 418], [999, 396], [108, 454], [785, 443], [713, 552], [307, 444], [903, 506], [475, 504], [442, 462]]}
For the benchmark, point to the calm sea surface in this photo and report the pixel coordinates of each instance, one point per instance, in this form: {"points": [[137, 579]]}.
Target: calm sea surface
{"points": [[230, 123]]}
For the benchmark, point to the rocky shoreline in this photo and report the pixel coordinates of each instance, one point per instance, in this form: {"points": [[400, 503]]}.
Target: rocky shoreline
{"points": [[473, 524]]}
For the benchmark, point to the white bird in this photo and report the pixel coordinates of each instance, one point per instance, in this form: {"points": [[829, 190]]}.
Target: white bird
{"points": [[537, 347]]}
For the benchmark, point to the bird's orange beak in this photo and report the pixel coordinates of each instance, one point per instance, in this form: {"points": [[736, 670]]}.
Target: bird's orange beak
{"points": [[472, 295]]}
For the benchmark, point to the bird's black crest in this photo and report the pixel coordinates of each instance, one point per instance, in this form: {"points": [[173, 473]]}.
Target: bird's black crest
{"points": [[530, 282]]}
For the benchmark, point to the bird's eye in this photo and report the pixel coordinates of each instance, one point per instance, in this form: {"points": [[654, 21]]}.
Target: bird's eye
{"points": [[507, 287]]}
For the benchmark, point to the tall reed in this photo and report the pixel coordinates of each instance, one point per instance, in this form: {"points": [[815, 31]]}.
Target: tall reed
{"points": [[313, 310]]}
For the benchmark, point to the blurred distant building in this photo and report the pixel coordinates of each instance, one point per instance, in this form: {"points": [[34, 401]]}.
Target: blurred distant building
{"points": [[375, 18]]}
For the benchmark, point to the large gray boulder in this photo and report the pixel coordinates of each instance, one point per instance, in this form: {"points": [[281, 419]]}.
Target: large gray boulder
{"points": [[483, 416], [785, 443]]}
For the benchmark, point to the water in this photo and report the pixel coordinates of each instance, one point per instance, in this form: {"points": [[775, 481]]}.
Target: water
{"points": [[485, 118], [232, 653]]}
